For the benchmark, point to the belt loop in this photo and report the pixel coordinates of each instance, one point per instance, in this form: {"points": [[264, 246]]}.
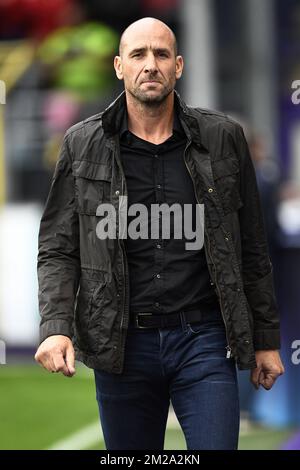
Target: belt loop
{"points": [[183, 320]]}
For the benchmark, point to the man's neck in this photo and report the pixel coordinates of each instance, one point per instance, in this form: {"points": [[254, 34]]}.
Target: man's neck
{"points": [[151, 123]]}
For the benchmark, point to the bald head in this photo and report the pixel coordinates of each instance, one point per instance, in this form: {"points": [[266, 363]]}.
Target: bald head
{"points": [[148, 62], [144, 28]]}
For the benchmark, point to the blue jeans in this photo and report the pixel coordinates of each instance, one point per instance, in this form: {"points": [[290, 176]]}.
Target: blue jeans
{"points": [[186, 364]]}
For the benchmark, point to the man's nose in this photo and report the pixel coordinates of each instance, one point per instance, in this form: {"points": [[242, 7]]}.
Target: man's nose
{"points": [[151, 66]]}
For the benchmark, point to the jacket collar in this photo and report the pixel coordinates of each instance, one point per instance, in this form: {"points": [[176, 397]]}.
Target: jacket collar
{"points": [[114, 114], [177, 126]]}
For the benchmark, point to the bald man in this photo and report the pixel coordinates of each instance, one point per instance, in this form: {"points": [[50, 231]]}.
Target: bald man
{"points": [[158, 317]]}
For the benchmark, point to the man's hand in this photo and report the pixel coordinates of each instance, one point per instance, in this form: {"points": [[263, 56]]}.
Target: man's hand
{"points": [[56, 354], [269, 367]]}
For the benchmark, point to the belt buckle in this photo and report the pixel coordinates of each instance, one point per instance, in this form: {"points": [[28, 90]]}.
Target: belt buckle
{"points": [[137, 319]]}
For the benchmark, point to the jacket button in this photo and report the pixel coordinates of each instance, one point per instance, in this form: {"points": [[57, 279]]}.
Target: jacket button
{"points": [[210, 190], [117, 192], [227, 239], [247, 341]]}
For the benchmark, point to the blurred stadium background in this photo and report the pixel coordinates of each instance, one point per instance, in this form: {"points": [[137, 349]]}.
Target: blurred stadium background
{"points": [[55, 69]]}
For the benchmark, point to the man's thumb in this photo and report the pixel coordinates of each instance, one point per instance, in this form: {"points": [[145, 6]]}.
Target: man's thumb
{"points": [[70, 360]]}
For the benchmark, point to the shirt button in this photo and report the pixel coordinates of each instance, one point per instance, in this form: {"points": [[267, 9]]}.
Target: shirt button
{"points": [[158, 186], [117, 192], [158, 276], [210, 190]]}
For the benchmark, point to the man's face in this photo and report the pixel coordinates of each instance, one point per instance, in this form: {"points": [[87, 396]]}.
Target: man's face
{"points": [[148, 64]]}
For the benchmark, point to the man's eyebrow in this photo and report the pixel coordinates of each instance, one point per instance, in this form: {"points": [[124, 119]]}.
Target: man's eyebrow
{"points": [[137, 50], [155, 49], [162, 49]]}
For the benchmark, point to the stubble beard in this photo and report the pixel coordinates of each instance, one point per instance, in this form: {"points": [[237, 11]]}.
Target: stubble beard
{"points": [[151, 101]]}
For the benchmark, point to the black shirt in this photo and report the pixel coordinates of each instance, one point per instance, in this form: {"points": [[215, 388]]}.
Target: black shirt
{"points": [[164, 276]]}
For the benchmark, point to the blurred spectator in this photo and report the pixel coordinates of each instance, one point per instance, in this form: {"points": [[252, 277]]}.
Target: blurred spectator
{"points": [[78, 58], [289, 215], [36, 18], [268, 180], [161, 6], [60, 111], [115, 13]]}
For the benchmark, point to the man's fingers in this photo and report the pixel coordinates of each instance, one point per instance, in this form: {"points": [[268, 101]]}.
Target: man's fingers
{"points": [[267, 380], [59, 364], [255, 373], [70, 360], [270, 363], [45, 360], [56, 354], [53, 362]]}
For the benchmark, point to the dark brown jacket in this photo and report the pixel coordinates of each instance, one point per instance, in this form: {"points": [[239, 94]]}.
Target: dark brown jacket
{"points": [[83, 280]]}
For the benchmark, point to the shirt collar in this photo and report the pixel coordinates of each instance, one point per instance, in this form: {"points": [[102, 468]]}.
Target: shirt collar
{"points": [[177, 127]]}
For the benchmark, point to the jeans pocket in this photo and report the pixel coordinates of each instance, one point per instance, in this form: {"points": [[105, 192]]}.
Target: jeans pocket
{"points": [[195, 328], [213, 324]]}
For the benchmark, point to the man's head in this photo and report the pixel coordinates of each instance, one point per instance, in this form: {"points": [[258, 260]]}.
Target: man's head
{"points": [[148, 61]]}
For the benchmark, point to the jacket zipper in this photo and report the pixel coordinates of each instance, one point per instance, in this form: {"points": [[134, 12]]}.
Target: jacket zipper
{"points": [[228, 348], [125, 272], [124, 260]]}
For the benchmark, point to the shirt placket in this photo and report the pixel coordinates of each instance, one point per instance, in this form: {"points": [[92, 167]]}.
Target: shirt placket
{"points": [[158, 244]]}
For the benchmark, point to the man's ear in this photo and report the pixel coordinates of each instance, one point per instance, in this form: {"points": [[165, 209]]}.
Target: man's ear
{"points": [[178, 66], [118, 67]]}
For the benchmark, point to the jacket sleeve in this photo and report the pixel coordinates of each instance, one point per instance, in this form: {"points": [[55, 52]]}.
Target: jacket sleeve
{"points": [[58, 261], [256, 263]]}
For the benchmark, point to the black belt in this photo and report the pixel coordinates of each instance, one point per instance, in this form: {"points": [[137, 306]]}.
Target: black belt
{"points": [[154, 320]]}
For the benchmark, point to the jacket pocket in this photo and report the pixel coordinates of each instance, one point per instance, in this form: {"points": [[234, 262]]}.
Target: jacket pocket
{"points": [[92, 185], [226, 174], [88, 313]]}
